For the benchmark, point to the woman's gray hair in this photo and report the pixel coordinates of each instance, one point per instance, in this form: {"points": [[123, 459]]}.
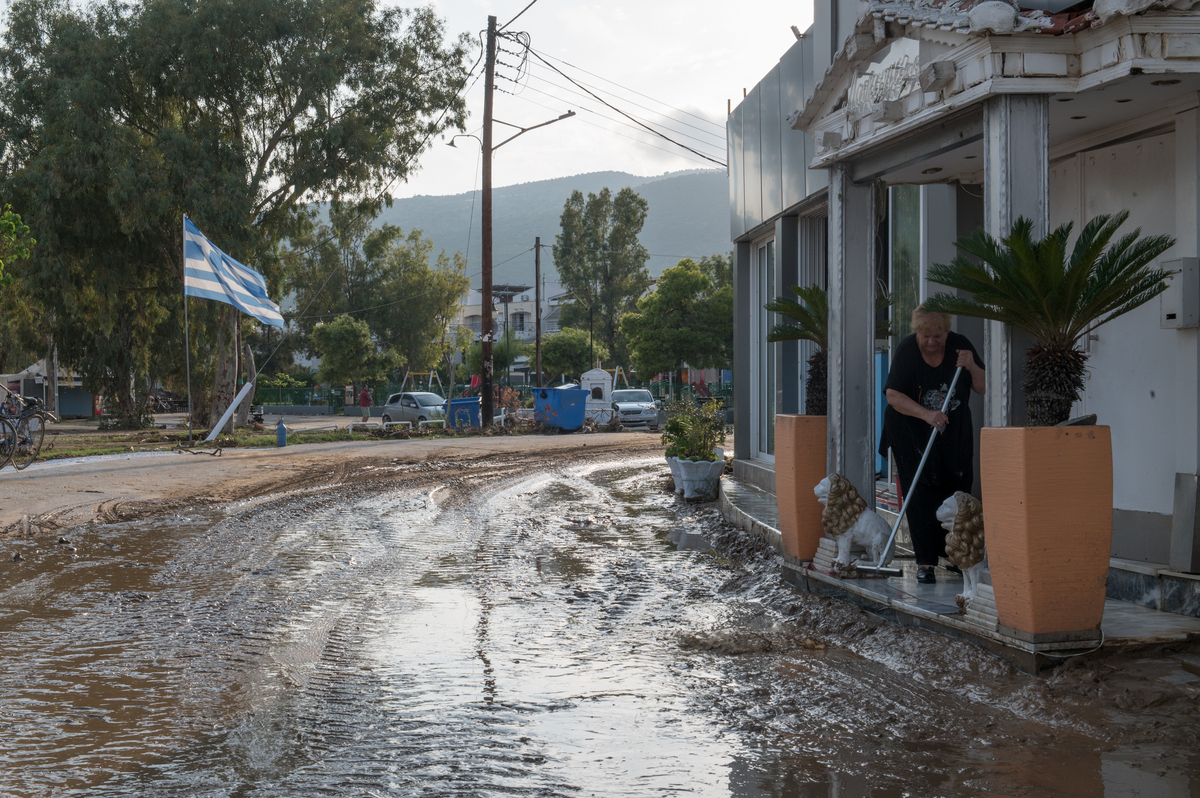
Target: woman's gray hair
{"points": [[925, 321]]}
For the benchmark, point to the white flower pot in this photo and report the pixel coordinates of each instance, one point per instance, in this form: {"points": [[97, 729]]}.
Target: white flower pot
{"points": [[701, 480], [673, 462]]}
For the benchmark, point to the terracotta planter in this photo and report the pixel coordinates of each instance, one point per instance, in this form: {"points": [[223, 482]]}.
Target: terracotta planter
{"points": [[1047, 511], [800, 443]]}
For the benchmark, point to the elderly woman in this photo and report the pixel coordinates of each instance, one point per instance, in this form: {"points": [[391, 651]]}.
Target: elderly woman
{"points": [[923, 367]]}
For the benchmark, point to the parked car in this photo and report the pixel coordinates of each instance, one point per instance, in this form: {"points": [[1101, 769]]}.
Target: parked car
{"points": [[635, 406], [414, 406]]}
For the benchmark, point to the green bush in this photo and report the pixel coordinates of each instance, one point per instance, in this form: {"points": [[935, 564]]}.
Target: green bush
{"points": [[692, 430]]}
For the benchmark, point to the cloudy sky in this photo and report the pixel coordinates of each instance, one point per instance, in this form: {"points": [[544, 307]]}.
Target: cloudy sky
{"points": [[672, 63]]}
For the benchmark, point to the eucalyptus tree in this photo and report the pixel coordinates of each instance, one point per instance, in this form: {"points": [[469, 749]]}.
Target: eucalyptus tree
{"points": [[119, 117]]}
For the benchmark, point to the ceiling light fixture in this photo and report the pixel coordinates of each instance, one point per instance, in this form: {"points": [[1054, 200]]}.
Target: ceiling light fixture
{"points": [[1168, 82], [933, 170], [1079, 117]]}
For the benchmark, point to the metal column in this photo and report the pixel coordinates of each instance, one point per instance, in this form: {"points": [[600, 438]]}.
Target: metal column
{"points": [[852, 231], [743, 328], [1016, 172]]}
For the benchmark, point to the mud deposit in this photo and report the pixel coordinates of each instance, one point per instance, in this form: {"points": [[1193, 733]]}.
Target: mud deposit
{"points": [[530, 631]]}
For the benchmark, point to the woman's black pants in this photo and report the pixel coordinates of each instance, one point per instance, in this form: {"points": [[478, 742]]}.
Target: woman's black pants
{"points": [[928, 537]]}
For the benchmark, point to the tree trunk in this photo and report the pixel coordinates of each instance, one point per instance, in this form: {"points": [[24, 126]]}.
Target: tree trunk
{"points": [[243, 412], [225, 385]]}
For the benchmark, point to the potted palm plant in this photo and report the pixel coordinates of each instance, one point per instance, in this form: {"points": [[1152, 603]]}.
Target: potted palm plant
{"points": [[801, 440], [1047, 490]]}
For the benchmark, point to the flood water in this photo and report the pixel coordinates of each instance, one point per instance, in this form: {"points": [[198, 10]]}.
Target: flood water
{"points": [[539, 636]]}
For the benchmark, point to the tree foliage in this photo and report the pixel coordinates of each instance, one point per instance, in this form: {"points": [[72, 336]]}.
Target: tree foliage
{"points": [[348, 353], [569, 352], [1037, 288], [383, 277], [683, 320], [600, 262], [116, 118], [718, 269], [15, 241]]}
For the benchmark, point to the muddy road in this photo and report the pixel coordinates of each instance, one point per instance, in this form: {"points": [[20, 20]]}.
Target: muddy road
{"points": [[513, 626]]}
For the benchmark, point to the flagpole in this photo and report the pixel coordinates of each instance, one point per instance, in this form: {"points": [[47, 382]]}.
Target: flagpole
{"points": [[187, 341]]}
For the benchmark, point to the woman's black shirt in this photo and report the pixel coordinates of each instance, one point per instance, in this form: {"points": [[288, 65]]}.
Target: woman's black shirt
{"points": [[953, 452]]}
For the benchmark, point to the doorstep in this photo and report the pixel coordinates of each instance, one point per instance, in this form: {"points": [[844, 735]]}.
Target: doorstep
{"points": [[1154, 586], [903, 600]]}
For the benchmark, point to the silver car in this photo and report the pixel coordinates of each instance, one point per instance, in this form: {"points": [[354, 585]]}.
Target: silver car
{"points": [[413, 406], [635, 406]]}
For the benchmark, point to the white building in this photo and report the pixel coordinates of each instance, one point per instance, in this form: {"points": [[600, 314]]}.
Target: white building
{"points": [[891, 128], [518, 310]]}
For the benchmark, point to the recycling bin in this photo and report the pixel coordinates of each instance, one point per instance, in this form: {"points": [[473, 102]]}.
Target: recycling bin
{"points": [[560, 407], [463, 413]]}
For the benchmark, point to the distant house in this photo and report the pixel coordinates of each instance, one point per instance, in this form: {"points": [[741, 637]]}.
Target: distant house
{"points": [[514, 307], [73, 400]]}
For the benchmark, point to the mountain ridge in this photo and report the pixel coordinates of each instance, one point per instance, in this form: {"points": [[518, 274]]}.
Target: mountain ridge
{"points": [[688, 216]]}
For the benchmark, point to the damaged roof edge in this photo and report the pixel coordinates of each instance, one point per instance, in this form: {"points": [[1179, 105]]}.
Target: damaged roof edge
{"points": [[874, 30]]}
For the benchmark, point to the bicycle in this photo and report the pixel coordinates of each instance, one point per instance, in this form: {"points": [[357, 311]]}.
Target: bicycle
{"points": [[24, 433]]}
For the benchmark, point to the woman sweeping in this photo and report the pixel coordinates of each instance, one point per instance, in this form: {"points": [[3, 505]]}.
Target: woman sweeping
{"points": [[923, 367]]}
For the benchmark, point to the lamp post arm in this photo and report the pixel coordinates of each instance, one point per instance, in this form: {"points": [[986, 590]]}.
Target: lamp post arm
{"points": [[523, 130]]}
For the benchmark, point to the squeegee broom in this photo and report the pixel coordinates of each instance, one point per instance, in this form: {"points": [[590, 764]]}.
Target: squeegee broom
{"points": [[879, 567]]}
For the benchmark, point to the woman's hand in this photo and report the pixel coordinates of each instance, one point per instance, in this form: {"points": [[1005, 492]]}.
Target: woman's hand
{"points": [[966, 360], [937, 419]]}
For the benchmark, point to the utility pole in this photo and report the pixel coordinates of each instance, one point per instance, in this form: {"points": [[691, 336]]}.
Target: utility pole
{"points": [[485, 338], [537, 310]]}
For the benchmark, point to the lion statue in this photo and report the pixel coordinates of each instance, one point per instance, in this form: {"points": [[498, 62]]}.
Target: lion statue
{"points": [[848, 520], [961, 516]]}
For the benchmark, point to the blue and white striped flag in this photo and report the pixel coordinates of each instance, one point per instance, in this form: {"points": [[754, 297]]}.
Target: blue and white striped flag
{"points": [[209, 273]]}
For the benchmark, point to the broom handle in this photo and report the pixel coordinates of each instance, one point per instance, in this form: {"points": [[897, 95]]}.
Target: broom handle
{"points": [[924, 457]]}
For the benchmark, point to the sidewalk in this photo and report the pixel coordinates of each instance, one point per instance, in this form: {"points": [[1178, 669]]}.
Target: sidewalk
{"points": [[905, 601]]}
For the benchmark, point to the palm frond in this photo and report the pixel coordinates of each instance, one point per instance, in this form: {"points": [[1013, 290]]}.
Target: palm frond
{"points": [[1041, 289], [809, 315]]}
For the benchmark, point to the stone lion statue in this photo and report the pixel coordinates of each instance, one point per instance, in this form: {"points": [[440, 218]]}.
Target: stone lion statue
{"points": [[961, 516], [848, 520]]}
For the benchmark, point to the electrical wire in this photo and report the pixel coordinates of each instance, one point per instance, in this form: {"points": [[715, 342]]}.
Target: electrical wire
{"points": [[717, 135], [699, 141], [518, 16], [626, 88], [627, 116], [676, 153]]}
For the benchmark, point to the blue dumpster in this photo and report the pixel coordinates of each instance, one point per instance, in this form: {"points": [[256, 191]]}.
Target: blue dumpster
{"points": [[464, 413], [560, 407]]}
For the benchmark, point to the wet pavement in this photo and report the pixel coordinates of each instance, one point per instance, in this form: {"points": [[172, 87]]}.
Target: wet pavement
{"points": [[567, 631]]}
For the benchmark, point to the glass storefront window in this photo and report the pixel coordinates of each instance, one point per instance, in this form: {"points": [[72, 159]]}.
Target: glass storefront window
{"points": [[906, 258]]}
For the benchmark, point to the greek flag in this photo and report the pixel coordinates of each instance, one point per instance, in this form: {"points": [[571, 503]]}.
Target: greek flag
{"points": [[209, 273]]}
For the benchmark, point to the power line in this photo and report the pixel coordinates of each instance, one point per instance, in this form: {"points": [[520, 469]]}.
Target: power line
{"points": [[674, 152], [720, 136], [622, 113], [677, 132], [626, 88], [518, 16]]}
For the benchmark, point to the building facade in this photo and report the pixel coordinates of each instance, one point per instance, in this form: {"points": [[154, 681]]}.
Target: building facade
{"points": [[892, 128]]}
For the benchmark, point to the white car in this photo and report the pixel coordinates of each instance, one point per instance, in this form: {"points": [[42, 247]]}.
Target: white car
{"points": [[413, 406], [635, 406]]}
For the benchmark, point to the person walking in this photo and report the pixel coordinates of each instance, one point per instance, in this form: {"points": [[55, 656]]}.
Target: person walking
{"points": [[923, 367], [364, 401]]}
